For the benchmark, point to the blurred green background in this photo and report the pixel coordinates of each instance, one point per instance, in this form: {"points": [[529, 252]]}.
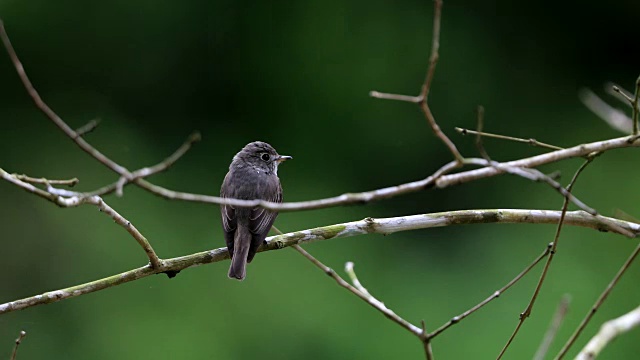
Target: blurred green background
{"points": [[297, 75]]}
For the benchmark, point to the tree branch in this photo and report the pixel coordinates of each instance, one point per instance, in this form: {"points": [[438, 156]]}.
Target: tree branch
{"points": [[439, 179], [366, 226], [532, 142], [32, 180], [495, 295], [73, 201], [609, 331]]}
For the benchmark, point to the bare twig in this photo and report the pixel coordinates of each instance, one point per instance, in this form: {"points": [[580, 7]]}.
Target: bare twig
{"points": [[397, 97], [161, 166], [556, 321], [620, 93], [131, 229], [609, 331], [367, 226], [377, 304], [344, 199], [495, 295], [439, 179], [21, 337], [73, 201], [435, 50], [88, 127], [136, 176], [527, 312], [532, 142], [25, 178], [360, 291], [598, 303], [534, 161], [636, 110], [421, 99], [623, 94], [85, 146]]}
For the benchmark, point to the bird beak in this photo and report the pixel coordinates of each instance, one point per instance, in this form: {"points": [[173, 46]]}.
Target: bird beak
{"points": [[282, 158]]}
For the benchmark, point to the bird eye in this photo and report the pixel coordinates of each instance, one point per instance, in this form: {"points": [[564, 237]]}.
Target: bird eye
{"points": [[265, 157]]}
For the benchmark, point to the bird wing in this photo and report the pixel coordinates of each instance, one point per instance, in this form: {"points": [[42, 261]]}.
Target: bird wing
{"points": [[261, 219], [229, 222]]}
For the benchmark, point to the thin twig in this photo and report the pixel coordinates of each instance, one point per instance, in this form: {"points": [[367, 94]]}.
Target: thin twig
{"points": [[161, 166], [137, 175], [397, 97], [344, 199], [623, 94], [598, 303], [21, 337], [421, 99], [435, 50], [85, 146], [384, 226], [377, 304], [439, 179], [618, 92], [88, 127], [424, 106], [359, 290], [636, 110], [531, 141], [527, 312], [552, 331], [495, 295], [32, 180], [156, 262], [95, 200]]}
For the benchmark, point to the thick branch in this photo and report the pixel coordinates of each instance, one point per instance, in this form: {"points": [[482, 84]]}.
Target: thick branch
{"points": [[609, 331], [366, 226]]}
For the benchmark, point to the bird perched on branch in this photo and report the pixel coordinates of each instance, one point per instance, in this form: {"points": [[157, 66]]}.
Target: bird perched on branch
{"points": [[253, 175]]}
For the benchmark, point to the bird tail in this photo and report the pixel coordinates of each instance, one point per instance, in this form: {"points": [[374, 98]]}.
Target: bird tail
{"points": [[241, 245]]}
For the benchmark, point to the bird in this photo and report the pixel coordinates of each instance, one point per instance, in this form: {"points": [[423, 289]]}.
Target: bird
{"points": [[253, 175]]}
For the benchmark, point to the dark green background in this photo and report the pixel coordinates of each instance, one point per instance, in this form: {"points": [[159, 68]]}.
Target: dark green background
{"points": [[297, 75]]}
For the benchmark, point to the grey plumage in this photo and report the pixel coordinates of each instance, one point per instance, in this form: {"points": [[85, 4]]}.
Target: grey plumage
{"points": [[253, 174]]}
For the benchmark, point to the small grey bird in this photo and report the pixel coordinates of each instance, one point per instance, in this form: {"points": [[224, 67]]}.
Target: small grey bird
{"points": [[253, 174]]}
